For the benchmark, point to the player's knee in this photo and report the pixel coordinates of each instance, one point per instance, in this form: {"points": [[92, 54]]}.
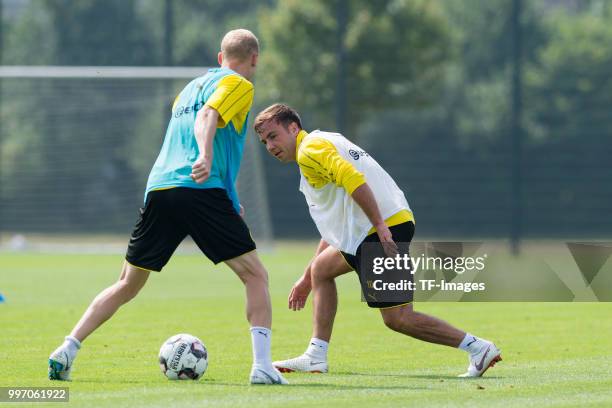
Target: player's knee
{"points": [[254, 274], [393, 321], [249, 269], [125, 292], [319, 271], [399, 322], [259, 276], [127, 289], [256, 271]]}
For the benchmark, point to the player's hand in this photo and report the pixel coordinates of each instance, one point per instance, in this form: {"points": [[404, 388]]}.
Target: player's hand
{"points": [[386, 239], [299, 293], [201, 169]]}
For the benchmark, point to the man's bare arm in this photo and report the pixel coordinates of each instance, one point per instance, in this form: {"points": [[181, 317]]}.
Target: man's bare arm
{"points": [[364, 197], [205, 128], [301, 289]]}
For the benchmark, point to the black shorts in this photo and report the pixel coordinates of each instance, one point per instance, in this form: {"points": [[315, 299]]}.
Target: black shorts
{"points": [[207, 215], [402, 233]]}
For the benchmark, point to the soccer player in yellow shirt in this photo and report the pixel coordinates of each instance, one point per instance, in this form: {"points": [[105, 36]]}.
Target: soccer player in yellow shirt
{"points": [[353, 203]]}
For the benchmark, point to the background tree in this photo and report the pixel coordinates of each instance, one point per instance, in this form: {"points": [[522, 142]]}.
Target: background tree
{"points": [[570, 86], [53, 144], [395, 52]]}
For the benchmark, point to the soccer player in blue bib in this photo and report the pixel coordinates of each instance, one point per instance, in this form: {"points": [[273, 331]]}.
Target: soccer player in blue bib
{"points": [[191, 191]]}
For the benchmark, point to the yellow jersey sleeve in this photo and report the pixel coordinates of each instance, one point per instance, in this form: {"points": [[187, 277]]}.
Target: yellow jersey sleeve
{"points": [[321, 164], [232, 99], [175, 102]]}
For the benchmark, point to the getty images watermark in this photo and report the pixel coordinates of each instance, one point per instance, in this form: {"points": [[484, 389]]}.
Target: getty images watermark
{"points": [[481, 271], [409, 264]]}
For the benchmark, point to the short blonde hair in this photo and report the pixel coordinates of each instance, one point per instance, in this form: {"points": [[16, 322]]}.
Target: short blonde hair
{"points": [[239, 45]]}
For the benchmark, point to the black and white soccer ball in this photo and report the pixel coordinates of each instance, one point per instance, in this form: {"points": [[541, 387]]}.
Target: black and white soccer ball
{"points": [[183, 357]]}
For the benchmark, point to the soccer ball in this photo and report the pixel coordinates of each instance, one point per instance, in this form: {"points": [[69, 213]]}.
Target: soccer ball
{"points": [[183, 357]]}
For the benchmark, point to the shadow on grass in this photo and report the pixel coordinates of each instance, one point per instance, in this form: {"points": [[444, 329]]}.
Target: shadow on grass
{"points": [[450, 377], [215, 383], [329, 386], [420, 376]]}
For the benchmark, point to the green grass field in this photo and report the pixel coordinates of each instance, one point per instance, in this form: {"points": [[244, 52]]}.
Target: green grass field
{"points": [[555, 354]]}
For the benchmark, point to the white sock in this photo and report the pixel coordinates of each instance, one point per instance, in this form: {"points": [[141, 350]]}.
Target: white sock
{"points": [[72, 345], [261, 338], [471, 343], [317, 349]]}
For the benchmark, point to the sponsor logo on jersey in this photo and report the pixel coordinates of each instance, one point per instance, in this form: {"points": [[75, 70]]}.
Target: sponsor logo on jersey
{"points": [[356, 154], [183, 110]]}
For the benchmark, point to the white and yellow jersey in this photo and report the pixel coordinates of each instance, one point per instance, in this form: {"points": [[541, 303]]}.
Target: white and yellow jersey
{"points": [[331, 168]]}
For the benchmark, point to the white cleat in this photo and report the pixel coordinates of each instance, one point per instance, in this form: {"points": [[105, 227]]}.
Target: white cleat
{"points": [[480, 361], [60, 364], [303, 364], [260, 375]]}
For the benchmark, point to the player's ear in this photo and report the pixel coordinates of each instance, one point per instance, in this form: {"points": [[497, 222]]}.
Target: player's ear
{"points": [[294, 128], [220, 58], [254, 58]]}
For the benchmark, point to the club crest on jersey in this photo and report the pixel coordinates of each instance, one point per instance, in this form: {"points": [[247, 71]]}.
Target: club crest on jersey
{"points": [[356, 154]]}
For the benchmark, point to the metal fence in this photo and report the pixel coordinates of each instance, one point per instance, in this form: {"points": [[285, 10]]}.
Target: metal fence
{"points": [[513, 149]]}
